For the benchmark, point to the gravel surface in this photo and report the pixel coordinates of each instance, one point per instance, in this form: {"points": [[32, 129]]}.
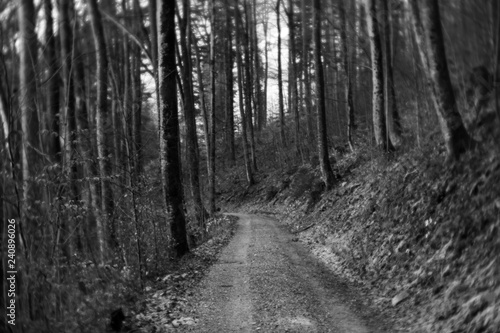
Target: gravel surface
{"points": [[265, 281]]}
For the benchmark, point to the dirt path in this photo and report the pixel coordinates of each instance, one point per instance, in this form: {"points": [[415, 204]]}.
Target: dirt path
{"points": [[266, 282]]}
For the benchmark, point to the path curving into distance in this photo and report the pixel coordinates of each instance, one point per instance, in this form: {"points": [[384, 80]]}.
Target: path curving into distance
{"points": [[266, 282]]}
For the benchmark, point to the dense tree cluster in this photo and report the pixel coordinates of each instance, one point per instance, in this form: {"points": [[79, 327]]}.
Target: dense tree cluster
{"points": [[108, 106]]}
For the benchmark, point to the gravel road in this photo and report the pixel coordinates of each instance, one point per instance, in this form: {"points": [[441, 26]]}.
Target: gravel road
{"points": [[264, 281]]}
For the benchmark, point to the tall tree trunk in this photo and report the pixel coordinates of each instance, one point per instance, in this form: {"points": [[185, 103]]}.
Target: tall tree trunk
{"points": [[335, 80], [361, 45], [30, 143], [211, 146], [116, 60], [244, 121], [137, 98], [326, 169], [292, 70], [280, 79], [107, 203], [305, 69], [66, 35], [351, 16], [189, 115], [85, 143], [52, 85], [259, 107], [429, 35], [203, 104], [27, 94], [153, 35], [379, 124], [348, 74], [248, 88], [136, 134], [127, 101], [391, 109], [229, 123], [171, 163]]}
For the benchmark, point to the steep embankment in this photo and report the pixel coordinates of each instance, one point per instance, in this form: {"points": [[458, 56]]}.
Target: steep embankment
{"points": [[420, 235]]}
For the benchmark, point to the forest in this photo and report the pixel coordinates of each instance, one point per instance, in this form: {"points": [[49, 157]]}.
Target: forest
{"points": [[130, 127]]}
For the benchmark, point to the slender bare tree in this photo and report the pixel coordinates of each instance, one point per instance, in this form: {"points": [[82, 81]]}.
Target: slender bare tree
{"points": [[391, 110], [229, 114], [107, 203], [379, 123], [326, 168], [211, 146], [348, 74], [30, 142], [243, 114], [429, 35], [250, 115], [280, 78], [52, 85], [66, 36], [292, 70], [305, 69], [189, 115], [171, 163]]}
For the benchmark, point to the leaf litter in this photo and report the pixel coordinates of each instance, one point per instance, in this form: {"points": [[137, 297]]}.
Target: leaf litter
{"points": [[163, 306]]}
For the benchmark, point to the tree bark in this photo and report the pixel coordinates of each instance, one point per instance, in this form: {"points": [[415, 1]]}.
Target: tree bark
{"points": [[244, 122], [52, 85], [292, 69], [127, 106], [259, 107], [305, 69], [326, 169], [280, 79], [379, 123], [229, 123], [153, 35], [66, 35], [137, 98], [189, 115], [248, 88], [201, 89], [30, 141], [211, 151], [171, 164], [136, 128], [30, 144], [390, 106], [85, 143], [107, 203], [348, 75], [429, 36]]}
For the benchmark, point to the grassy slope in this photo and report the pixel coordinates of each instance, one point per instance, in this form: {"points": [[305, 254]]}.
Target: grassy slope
{"points": [[410, 227]]}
